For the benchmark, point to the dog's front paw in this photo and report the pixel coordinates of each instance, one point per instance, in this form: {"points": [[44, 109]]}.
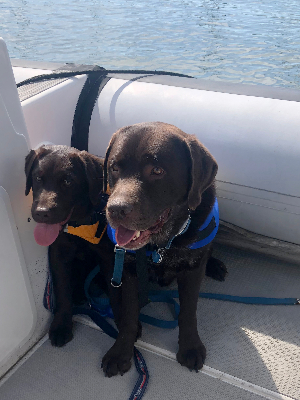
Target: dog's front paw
{"points": [[60, 332], [116, 361], [192, 357]]}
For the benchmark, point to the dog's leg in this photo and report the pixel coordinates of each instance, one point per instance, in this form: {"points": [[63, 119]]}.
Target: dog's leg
{"points": [[60, 331], [118, 358], [215, 268], [191, 350]]}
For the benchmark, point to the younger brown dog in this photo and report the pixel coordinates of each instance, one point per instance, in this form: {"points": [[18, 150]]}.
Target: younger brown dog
{"points": [[158, 176], [66, 184]]}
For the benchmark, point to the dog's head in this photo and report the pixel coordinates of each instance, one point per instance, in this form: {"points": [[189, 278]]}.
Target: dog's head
{"points": [[65, 183], [155, 173]]}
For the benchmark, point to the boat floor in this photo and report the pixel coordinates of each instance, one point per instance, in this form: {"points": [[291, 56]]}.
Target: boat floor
{"points": [[253, 352]]}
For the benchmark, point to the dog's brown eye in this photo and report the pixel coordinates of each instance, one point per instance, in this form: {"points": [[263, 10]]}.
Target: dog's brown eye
{"points": [[38, 179], [67, 182], [157, 171], [114, 168]]}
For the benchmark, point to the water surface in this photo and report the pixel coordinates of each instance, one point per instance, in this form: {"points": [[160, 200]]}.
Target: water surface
{"points": [[249, 41]]}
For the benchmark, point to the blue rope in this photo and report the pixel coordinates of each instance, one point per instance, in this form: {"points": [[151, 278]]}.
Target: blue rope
{"points": [[271, 301], [100, 308], [142, 382], [140, 364], [162, 297], [168, 296]]}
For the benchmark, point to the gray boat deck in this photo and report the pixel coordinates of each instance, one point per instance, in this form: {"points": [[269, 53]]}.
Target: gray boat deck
{"points": [[257, 347]]}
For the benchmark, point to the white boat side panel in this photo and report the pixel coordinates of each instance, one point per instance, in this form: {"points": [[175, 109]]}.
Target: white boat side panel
{"points": [[49, 115], [17, 312], [21, 73], [255, 140], [265, 217], [18, 247], [260, 197]]}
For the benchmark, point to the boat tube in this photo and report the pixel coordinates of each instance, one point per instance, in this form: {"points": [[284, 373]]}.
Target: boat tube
{"points": [[252, 131]]}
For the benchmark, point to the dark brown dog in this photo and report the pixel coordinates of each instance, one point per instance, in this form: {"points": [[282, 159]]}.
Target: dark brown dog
{"points": [[157, 176], [66, 184]]}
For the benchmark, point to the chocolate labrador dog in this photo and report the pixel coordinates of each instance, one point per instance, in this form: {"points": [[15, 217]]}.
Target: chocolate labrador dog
{"points": [[161, 181], [66, 184]]}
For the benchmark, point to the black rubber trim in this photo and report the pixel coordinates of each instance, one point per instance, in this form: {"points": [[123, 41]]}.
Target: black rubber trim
{"points": [[169, 79], [95, 70]]}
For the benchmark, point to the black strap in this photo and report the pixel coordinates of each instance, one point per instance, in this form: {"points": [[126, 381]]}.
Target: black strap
{"points": [[84, 109], [142, 275], [206, 231]]}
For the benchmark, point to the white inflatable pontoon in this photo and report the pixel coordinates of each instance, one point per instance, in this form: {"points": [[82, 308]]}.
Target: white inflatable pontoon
{"points": [[253, 132]]}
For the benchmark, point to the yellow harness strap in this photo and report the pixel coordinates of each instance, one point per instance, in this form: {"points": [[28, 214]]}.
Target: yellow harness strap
{"points": [[87, 232]]}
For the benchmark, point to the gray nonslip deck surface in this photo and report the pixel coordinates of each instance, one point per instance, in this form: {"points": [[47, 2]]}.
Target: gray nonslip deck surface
{"points": [[73, 372], [258, 344]]}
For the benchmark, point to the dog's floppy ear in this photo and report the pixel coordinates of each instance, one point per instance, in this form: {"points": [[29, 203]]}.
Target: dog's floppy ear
{"points": [[29, 160], [94, 172], [105, 183], [204, 170]]}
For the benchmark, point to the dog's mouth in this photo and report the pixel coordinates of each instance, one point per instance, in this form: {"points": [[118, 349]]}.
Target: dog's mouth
{"points": [[46, 234], [135, 239]]}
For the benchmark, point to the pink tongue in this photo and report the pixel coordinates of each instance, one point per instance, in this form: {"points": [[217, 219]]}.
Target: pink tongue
{"points": [[124, 235], [45, 234]]}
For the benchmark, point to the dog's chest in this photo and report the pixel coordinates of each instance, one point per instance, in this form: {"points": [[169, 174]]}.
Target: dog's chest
{"points": [[174, 261]]}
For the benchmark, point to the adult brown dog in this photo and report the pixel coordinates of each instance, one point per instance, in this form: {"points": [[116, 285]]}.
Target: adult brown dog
{"points": [[66, 184], [157, 177]]}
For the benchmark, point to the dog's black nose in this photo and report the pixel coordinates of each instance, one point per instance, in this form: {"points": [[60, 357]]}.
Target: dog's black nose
{"points": [[119, 210], [42, 213]]}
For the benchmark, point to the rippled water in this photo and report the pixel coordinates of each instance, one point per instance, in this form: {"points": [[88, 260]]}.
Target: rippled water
{"points": [[245, 41]]}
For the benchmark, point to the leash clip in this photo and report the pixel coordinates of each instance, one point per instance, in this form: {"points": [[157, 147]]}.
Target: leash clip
{"points": [[157, 256], [114, 284]]}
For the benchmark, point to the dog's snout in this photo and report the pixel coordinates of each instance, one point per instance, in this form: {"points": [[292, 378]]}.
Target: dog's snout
{"points": [[119, 210], [42, 213]]}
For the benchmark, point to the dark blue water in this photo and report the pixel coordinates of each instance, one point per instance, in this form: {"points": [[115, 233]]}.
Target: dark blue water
{"points": [[249, 41]]}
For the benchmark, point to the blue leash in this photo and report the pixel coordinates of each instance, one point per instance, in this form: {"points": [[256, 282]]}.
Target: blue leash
{"points": [[140, 364], [263, 301], [100, 309], [101, 304], [97, 311], [169, 296]]}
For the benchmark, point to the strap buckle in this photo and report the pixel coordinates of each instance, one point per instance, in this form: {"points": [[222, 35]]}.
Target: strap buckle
{"points": [[117, 248]]}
